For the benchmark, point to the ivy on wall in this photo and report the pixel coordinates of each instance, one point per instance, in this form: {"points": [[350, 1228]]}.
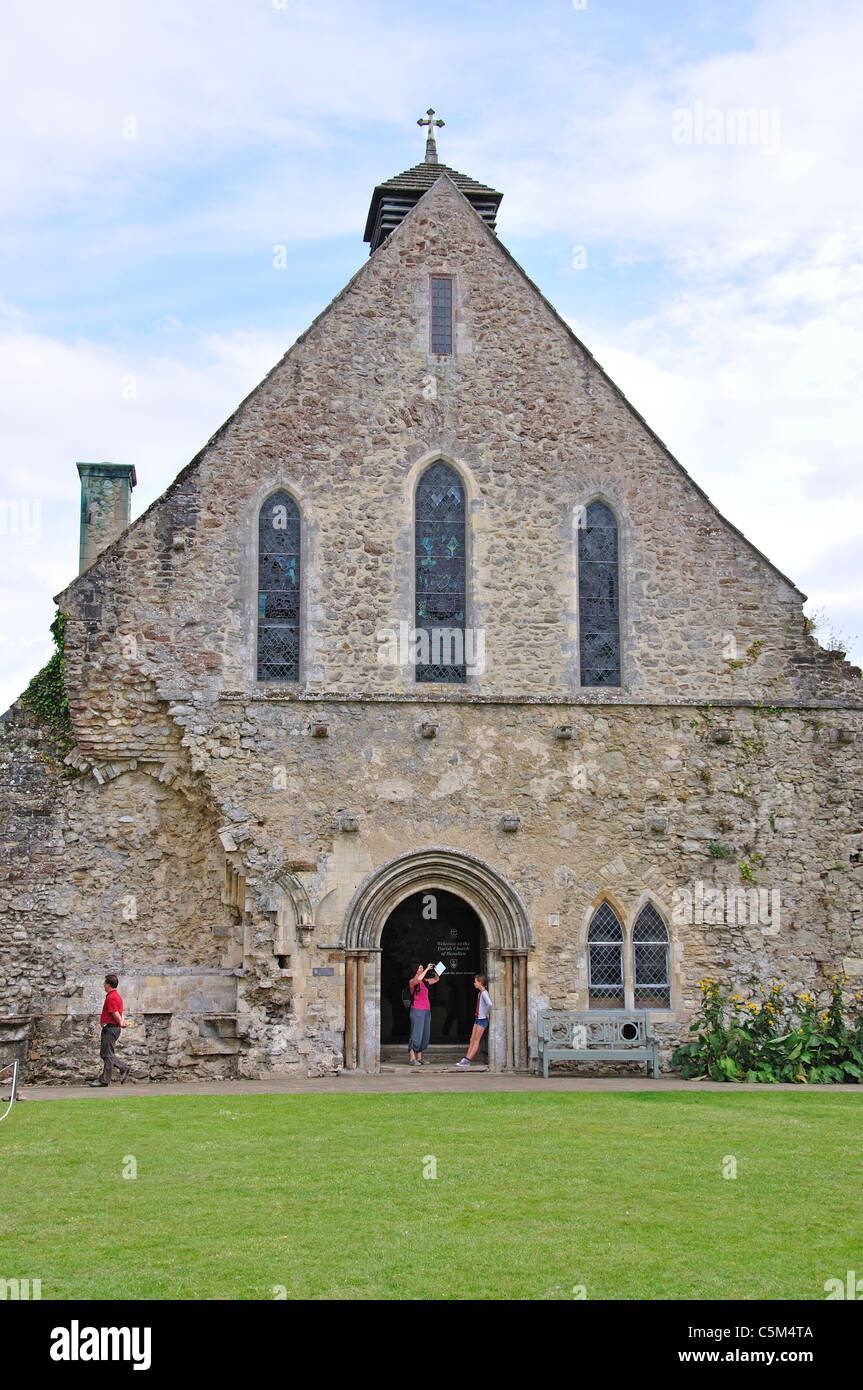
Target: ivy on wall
{"points": [[46, 693]]}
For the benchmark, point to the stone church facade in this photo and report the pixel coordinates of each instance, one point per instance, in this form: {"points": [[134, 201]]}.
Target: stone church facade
{"points": [[273, 796]]}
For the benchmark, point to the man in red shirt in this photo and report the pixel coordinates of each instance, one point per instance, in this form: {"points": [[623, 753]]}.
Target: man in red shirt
{"points": [[112, 1021]]}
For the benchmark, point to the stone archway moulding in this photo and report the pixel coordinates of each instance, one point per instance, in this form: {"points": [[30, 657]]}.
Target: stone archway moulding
{"points": [[496, 903], [509, 940]]}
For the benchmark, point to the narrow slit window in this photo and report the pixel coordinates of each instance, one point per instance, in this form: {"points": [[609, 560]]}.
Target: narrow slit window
{"points": [[599, 597], [440, 525], [441, 315], [279, 589]]}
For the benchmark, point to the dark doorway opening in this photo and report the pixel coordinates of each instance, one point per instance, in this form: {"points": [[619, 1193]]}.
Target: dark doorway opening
{"points": [[432, 926]]}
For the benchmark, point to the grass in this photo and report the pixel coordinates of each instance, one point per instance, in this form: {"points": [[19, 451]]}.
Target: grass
{"points": [[324, 1196]]}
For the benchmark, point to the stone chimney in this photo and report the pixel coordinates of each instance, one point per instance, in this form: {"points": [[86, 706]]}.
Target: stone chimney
{"points": [[106, 506]]}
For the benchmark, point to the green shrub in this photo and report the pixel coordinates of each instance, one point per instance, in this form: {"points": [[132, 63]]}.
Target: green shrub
{"points": [[773, 1038]]}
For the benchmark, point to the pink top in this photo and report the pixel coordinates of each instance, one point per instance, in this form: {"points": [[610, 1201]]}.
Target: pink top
{"points": [[421, 997]]}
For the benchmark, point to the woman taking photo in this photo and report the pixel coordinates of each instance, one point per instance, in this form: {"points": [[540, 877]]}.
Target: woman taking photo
{"points": [[420, 1013]]}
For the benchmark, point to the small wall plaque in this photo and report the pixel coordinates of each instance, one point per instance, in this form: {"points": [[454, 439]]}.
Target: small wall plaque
{"points": [[323, 970]]}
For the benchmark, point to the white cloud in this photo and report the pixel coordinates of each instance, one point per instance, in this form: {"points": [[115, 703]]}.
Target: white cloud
{"points": [[762, 409], [65, 404]]}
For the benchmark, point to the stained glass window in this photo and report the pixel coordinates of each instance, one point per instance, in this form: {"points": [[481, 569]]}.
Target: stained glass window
{"points": [[441, 316], [605, 959], [650, 950], [599, 597], [440, 575], [279, 589]]}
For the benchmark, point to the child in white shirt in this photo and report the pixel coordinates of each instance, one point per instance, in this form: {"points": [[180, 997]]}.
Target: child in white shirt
{"points": [[481, 1021]]}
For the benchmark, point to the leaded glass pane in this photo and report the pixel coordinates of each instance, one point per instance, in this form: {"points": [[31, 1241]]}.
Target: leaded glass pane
{"points": [[604, 925], [440, 574], [605, 959], [441, 316], [650, 950], [599, 597], [649, 925], [279, 589]]}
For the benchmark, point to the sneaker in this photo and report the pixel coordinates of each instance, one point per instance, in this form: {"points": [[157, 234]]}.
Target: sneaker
{"points": [[97, 1083], [463, 1063], [415, 1063]]}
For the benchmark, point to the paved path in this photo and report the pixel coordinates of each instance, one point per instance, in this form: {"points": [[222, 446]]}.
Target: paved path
{"points": [[396, 1081]]}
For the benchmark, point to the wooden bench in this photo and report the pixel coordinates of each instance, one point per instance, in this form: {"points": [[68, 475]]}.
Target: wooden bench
{"points": [[597, 1035]]}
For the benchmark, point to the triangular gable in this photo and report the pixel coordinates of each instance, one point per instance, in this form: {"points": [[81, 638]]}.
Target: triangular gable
{"points": [[444, 184]]}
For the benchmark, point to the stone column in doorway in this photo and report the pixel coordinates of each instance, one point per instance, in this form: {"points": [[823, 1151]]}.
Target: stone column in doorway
{"points": [[356, 1058]]}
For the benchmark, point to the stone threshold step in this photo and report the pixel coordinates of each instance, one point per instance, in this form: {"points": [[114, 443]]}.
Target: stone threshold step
{"points": [[432, 1068]]}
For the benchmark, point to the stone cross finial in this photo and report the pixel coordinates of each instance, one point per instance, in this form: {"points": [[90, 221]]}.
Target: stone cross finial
{"points": [[431, 147]]}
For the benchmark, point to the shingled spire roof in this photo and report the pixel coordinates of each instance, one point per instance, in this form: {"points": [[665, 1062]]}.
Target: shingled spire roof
{"points": [[393, 200]]}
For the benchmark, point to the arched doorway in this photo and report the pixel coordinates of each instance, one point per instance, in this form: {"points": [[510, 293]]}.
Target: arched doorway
{"points": [[506, 941], [433, 926]]}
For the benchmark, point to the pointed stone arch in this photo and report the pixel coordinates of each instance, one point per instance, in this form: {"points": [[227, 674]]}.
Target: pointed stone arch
{"points": [[650, 898]]}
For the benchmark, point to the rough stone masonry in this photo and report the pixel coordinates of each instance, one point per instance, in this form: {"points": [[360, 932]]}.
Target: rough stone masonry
{"points": [[218, 840]]}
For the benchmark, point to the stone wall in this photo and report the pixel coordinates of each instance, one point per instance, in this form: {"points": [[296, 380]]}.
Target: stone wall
{"points": [[633, 807], [123, 875], [198, 838], [347, 421]]}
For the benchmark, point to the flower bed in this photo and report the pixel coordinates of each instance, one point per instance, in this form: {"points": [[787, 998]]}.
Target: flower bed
{"points": [[775, 1037]]}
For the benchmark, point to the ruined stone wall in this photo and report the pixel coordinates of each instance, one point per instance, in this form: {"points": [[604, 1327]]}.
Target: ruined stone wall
{"points": [[638, 803], [126, 875], [635, 806]]}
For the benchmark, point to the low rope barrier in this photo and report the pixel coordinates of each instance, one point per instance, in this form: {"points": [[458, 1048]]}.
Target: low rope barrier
{"points": [[14, 1096]]}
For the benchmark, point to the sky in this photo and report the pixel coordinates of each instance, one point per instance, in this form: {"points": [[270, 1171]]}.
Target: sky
{"points": [[156, 155]]}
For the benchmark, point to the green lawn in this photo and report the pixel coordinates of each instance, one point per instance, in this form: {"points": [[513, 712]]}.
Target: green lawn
{"points": [[535, 1194]]}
